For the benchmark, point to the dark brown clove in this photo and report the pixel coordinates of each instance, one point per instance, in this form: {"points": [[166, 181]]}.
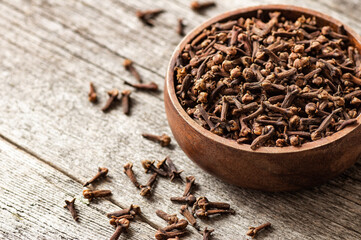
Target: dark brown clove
{"points": [[173, 172], [128, 64], [163, 235], [92, 95], [252, 232], [102, 172], [132, 210], [202, 202], [206, 213], [113, 94], [164, 140], [167, 217], [90, 194], [146, 189], [121, 226], [148, 16], [126, 101], [149, 166], [71, 207], [152, 86], [197, 6], [188, 215], [180, 27], [190, 181], [180, 225], [267, 133], [189, 200], [128, 170], [207, 233]]}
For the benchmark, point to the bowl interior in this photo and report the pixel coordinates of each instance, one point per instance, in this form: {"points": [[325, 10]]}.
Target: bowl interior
{"points": [[289, 12]]}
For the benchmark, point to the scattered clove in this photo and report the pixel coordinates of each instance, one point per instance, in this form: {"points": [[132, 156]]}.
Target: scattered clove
{"points": [[90, 194], [180, 27], [152, 86], [206, 213], [122, 225], [190, 181], [102, 172], [128, 170], [132, 210], [199, 6], [252, 232], [92, 95], [148, 16], [71, 207], [189, 200], [167, 217], [207, 233], [126, 101], [113, 94], [164, 140], [128, 64], [146, 189], [149, 166], [188, 215], [163, 235]]}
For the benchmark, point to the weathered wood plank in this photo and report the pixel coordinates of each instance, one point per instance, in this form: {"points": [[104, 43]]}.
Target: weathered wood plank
{"points": [[60, 47], [32, 200]]}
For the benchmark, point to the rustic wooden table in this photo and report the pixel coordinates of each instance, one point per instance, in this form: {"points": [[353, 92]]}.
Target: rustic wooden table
{"points": [[52, 139]]}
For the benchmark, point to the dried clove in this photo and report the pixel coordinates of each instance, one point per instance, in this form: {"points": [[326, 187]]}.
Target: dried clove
{"points": [[197, 6], [163, 235], [167, 217], [121, 226], [207, 233], [188, 215], [146, 189], [149, 166], [71, 207], [128, 64], [132, 210], [92, 95], [126, 101], [128, 170], [173, 172], [190, 181], [189, 200], [102, 172], [180, 27], [252, 232], [206, 213], [113, 94], [164, 140], [90, 194], [148, 16], [152, 86]]}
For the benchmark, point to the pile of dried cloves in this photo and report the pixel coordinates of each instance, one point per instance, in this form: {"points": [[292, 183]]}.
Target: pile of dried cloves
{"points": [[270, 81]]}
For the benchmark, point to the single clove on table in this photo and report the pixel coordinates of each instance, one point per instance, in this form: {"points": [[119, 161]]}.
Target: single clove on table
{"points": [[70, 205], [148, 16], [102, 172], [164, 140]]}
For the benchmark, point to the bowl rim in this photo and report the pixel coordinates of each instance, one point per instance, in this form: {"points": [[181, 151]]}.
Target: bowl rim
{"points": [[170, 88]]}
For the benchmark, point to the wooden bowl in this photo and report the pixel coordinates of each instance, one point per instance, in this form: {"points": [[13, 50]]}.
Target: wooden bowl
{"points": [[268, 168]]}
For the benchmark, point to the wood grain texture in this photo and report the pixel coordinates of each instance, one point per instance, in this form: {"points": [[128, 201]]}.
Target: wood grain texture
{"points": [[50, 50], [32, 200]]}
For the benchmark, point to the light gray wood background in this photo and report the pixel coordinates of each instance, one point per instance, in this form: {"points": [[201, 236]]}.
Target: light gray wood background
{"points": [[52, 139]]}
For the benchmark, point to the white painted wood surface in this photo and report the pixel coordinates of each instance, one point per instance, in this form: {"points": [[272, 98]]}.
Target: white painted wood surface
{"points": [[53, 139]]}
